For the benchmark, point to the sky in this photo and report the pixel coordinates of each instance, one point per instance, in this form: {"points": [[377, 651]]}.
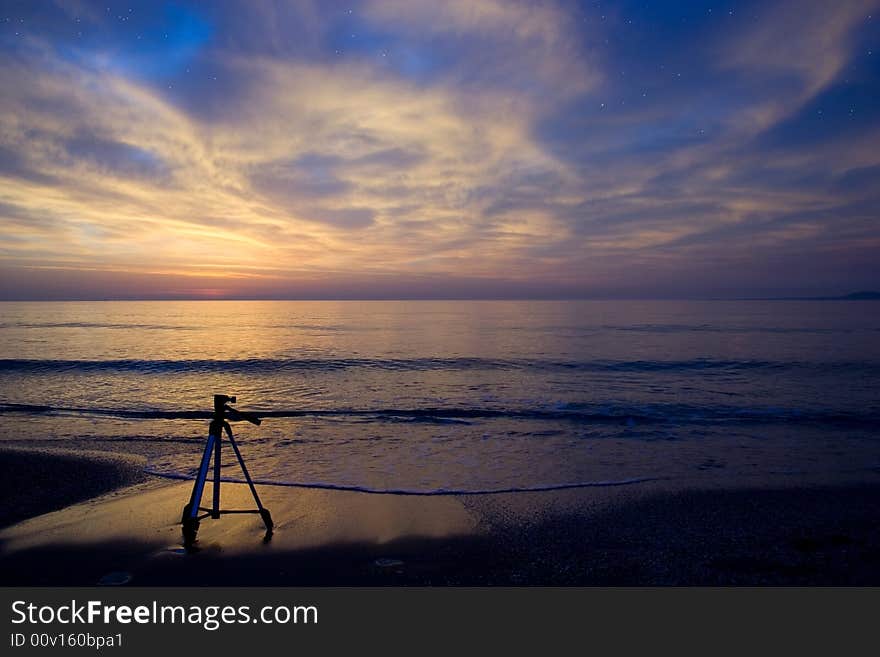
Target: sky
{"points": [[425, 149]]}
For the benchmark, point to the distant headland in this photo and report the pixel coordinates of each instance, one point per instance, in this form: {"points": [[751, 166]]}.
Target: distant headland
{"points": [[853, 296]]}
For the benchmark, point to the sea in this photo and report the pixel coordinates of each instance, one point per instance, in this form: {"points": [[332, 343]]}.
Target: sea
{"points": [[453, 397]]}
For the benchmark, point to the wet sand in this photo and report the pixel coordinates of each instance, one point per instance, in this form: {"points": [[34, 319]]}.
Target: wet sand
{"points": [[807, 532]]}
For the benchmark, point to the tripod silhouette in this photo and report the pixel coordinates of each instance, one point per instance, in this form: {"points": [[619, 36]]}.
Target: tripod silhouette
{"points": [[193, 512]]}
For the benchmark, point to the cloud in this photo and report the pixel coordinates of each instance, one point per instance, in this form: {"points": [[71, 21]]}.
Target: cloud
{"points": [[114, 158], [528, 145], [534, 49], [798, 49]]}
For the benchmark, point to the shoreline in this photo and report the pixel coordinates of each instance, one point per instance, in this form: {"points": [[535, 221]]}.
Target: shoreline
{"points": [[96, 513]]}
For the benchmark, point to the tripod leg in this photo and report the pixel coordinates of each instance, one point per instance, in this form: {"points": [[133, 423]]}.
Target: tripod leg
{"points": [[215, 506], [264, 513], [191, 510]]}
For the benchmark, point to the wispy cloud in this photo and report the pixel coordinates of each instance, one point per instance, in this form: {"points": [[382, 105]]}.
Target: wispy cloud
{"points": [[400, 148]]}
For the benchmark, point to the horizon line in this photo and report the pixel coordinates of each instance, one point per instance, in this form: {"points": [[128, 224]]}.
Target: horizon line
{"points": [[843, 297]]}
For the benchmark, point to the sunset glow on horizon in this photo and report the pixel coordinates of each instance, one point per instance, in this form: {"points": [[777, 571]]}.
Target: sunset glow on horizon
{"points": [[397, 148]]}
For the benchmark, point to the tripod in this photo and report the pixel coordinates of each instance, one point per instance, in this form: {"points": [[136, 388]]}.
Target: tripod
{"points": [[191, 518]]}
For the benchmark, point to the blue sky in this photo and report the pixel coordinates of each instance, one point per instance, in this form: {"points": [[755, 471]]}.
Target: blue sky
{"points": [[400, 148]]}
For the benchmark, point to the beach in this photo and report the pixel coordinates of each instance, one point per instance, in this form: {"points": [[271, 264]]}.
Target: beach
{"points": [[440, 443], [96, 518]]}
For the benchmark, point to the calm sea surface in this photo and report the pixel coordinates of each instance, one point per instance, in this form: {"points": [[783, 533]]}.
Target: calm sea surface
{"points": [[428, 396]]}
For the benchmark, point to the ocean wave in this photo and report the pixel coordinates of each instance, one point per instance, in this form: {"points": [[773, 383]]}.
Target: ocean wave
{"points": [[714, 328], [584, 329], [571, 413], [429, 492], [95, 325], [274, 365]]}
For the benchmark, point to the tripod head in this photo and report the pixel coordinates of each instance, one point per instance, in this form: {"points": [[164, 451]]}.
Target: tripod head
{"points": [[222, 410]]}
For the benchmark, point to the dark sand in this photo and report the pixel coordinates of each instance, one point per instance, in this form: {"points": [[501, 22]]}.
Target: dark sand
{"points": [[33, 482], [806, 533]]}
